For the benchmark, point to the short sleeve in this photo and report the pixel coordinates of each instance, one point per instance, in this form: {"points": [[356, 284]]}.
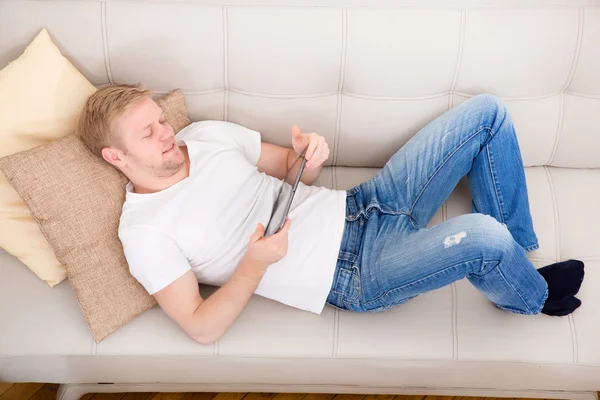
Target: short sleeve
{"points": [[247, 139], [154, 258]]}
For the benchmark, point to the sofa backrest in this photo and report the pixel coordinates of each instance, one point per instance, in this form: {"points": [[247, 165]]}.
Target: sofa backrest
{"points": [[365, 74]]}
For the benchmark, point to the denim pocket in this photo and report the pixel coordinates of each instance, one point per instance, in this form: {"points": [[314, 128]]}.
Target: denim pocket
{"points": [[347, 282]]}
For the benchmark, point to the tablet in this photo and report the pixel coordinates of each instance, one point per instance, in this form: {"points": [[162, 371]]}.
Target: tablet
{"points": [[285, 196]]}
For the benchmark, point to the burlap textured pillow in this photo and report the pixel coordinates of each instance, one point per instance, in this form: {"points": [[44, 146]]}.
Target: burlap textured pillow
{"points": [[76, 198], [41, 97], [173, 104]]}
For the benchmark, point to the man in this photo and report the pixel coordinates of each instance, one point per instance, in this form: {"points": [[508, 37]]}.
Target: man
{"points": [[197, 204]]}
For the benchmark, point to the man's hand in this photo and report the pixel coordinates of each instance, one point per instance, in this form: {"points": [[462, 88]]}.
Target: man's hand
{"points": [[268, 250], [317, 150], [207, 320]]}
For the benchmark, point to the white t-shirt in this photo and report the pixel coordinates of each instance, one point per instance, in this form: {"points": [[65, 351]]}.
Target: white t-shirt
{"points": [[204, 222]]}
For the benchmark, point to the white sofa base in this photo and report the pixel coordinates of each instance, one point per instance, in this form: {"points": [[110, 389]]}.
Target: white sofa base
{"points": [[75, 391], [366, 74]]}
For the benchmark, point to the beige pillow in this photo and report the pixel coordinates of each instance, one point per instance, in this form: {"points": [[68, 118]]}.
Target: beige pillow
{"points": [[77, 198], [173, 104], [42, 95]]}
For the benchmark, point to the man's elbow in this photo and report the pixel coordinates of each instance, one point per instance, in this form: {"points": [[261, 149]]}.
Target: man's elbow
{"points": [[205, 338]]}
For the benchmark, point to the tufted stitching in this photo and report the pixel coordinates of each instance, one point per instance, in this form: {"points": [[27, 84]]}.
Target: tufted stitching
{"points": [[561, 108], [191, 93], [338, 122], [574, 344], [454, 321], [561, 111], [225, 64], [333, 186], [336, 332], [577, 48], [282, 96], [334, 182], [461, 45], [574, 339], [585, 95], [105, 42], [387, 98], [555, 209], [454, 293], [216, 347]]}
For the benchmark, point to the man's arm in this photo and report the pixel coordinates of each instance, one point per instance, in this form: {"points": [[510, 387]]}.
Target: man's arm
{"points": [[207, 320], [276, 161]]}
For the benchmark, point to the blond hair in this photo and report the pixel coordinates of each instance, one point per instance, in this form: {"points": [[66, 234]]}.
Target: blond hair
{"points": [[100, 112]]}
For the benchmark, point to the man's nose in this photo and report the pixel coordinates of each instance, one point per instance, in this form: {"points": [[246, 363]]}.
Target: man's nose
{"points": [[165, 133]]}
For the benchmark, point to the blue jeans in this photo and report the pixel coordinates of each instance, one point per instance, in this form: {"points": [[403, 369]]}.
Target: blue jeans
{"points": [[388, 255]]}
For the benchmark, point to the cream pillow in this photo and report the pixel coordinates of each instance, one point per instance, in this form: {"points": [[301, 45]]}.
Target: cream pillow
{"points": [[42, 95], [77, 198]]}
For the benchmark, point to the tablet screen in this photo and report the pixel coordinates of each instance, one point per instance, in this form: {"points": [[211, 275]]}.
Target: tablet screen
{"points": [[285, 196]]}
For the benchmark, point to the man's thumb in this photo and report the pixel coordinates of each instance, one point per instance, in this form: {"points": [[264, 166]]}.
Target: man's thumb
{"points": [[258, 232], [296, 131]]}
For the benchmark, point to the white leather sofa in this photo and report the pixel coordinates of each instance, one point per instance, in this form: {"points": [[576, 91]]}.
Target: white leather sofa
{"points": [[366, 74]]}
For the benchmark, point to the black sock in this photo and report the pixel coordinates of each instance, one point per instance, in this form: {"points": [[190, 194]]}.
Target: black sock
{"points": [[563, 279], [561, 307]]}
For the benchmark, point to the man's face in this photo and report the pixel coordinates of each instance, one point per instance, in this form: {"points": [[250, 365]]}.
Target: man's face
{"points": [[148, 149]]}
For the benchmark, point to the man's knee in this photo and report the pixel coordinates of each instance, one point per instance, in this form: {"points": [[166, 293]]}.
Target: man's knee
{"points": [[486, 232], [486, 110], [486, 100]]}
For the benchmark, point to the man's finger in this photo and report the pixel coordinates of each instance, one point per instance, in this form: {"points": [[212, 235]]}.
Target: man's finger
{"points": [[286, 225], [258, 232], [311, 149], [296, 131]]}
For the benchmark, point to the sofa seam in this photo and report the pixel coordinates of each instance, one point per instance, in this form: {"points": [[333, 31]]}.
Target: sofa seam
{"points": [[561, 111], [295, 357], [225, 20], [375, 98], [107, 64], [454, 293], [575, 344], [556, 215], [454, 290], [461, 46], [338, 121], [576, 56], [584, 95], [192, 92], [563, 91], [333, 182], [282, 96], [336, 332], [369, 7]]}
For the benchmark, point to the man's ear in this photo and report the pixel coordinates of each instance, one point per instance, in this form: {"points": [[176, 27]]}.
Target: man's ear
{"points": [[112, 156]]}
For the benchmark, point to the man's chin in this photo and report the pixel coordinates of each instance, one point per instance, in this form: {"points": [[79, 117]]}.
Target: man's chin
{"points": [[172, 166]]}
